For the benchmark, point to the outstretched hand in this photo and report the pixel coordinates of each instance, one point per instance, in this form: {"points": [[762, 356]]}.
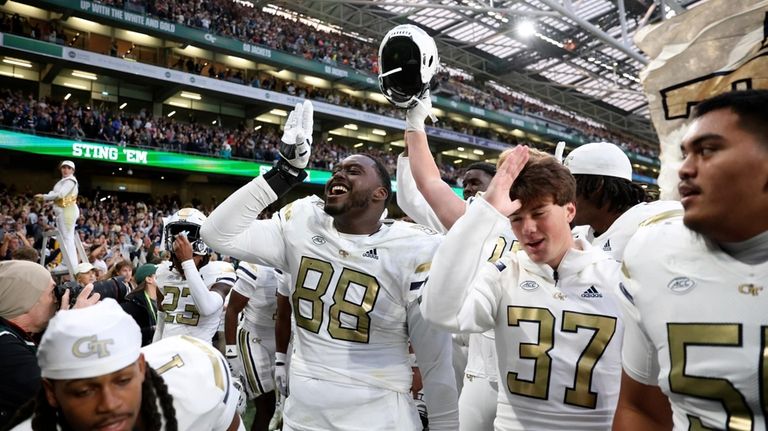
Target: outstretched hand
{"points": [[297, 136], [498, 190]]}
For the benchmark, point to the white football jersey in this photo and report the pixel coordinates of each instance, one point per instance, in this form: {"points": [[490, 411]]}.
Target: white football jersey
{"points": [[614, 240], [558, 335], [259, 284], [350, 294], [697, 327], [178, 306], [354, 297], [199, 380]]}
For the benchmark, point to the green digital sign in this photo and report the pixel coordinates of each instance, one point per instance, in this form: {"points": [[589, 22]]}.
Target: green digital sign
{"points": [[65, 148]]}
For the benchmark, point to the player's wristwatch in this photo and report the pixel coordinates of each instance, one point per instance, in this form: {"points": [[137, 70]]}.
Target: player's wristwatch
{"points": [[230, 351]]}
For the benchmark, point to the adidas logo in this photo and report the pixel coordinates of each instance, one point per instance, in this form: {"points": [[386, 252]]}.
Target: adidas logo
{"points": [[372, 254], [591, 293], [607, 246]]}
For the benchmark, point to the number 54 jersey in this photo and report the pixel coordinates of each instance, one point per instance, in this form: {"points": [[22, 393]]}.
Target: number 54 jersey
{"points": [[697, 327]]}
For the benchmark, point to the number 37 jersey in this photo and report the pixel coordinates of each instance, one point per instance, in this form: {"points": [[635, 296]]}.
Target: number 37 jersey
{"points": [[351, 294], [697, 327]]}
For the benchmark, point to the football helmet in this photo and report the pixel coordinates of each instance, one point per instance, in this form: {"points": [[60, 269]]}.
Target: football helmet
{"points": [[187, 220], [407, 63]]}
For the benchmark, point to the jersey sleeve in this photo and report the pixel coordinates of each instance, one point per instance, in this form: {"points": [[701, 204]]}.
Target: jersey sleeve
{"points": [[638, 352], [233, 227], [283, 283], [410, 200], [247, 275], [433, 349], [218, 272], [463, 289]]}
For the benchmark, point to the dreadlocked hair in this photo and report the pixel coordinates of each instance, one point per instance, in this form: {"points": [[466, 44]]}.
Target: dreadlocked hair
{"points": [[617, 193], [153, 390]]}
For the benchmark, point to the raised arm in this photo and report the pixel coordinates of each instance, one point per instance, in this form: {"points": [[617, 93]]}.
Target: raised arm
{"points": [[426, 174], [410, 200], [233, 228], [462, 292]]}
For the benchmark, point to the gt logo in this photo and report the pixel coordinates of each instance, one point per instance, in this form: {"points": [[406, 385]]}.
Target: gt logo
{"points": [[750, 289], [88, 346]]}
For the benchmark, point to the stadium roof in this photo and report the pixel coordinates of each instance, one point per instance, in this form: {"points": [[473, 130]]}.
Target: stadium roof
{"points": [[576, 54]]}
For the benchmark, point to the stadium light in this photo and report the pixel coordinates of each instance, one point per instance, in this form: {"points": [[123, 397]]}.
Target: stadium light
{"points": [[526, 28], [171, 114], [17, 62], [379, 132], [86, 75], [190, 95], [350, 126], [279, 112], [123, 105], [67, 96]]}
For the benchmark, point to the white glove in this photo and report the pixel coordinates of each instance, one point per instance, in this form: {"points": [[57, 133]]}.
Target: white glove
{"points": [[281, 375], [297, 136], [235, 362], [276, 423], [415, 117]]}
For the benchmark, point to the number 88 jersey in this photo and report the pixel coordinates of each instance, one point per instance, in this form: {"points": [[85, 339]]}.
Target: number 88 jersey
{"points": [[351, 294]]}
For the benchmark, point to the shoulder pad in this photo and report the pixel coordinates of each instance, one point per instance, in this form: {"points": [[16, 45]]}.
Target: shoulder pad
{"points": [[426, 229], [660, 217]]}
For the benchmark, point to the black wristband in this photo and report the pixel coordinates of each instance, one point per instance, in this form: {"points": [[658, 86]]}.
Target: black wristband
{"points": [[283, 177]]}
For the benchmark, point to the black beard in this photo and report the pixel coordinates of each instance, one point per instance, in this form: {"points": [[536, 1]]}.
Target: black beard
{"points": [[356, 200]]}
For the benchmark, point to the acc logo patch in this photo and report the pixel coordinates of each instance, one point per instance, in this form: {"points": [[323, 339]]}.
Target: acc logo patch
{"points": [[425, 229], [317, 239], [529, 285], [681, 284]]}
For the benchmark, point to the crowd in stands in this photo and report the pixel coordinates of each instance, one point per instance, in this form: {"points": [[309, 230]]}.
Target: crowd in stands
{"points": [[232, 19], [111, 231], [253, 25], [69, 118]]}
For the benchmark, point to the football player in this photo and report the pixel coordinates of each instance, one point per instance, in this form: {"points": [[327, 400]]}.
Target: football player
{"points": [[609, 206], [557, 323], [356, 282], [694, 289], [193, 288], [427, 199], [96, 376], [250, 345]]}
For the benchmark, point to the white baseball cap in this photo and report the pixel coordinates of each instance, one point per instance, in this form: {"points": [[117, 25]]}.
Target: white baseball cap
{"points": [[89, 342], [69, 163], [599, 158], [84, 267]]}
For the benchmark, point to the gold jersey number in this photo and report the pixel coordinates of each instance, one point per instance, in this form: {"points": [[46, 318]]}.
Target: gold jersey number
{"points": [[169, 307], [683, 335], [318, 274], [580, 393]]}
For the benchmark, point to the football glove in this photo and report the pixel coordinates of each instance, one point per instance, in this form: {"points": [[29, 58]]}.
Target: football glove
{"points": [[276, 423], [416, 116], [296, 142], [281, 375]]}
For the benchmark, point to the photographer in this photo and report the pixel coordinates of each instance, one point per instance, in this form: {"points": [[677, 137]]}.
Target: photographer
{"points": [[27, 303]]}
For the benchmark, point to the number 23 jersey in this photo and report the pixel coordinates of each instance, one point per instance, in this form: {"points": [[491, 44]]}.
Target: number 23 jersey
{"points": [[350, 295], [697, 327]]}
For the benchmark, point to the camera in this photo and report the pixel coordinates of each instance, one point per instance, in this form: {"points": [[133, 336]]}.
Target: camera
{"points": [[115, 288]]}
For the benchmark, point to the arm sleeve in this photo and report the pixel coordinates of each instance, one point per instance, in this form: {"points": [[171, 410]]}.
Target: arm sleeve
{"points": [[207, 302], [638, 352], [411, 201], [463, 289], [433, 351], [233, 227]]}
